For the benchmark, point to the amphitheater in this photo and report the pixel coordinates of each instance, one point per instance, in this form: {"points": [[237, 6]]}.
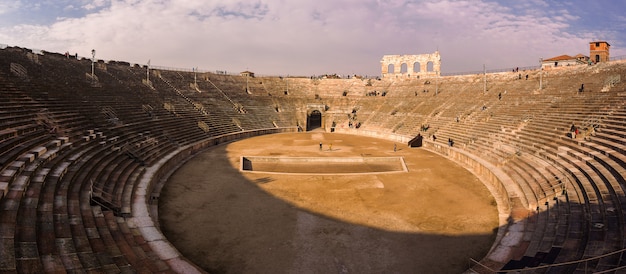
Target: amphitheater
{"points": [[86, 158]]}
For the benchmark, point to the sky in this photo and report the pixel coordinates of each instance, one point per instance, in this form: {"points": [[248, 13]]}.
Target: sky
{"points": [[314, 37]]}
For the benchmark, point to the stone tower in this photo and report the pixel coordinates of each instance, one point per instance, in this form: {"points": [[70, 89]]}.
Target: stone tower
{"points": [[599, 51]]}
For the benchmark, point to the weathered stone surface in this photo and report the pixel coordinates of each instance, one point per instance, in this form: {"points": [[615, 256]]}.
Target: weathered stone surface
{"points": [[410, 61]]}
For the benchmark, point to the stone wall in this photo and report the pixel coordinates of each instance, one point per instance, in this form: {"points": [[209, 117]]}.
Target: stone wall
{"points": [[411, 62]]}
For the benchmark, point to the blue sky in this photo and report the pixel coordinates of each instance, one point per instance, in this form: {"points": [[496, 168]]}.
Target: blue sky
{"points": [[312, 37]]}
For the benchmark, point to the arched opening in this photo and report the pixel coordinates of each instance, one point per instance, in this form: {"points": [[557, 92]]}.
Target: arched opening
{"points": [[391, 68], [403, 68], [430, 66], [314, 120], [417, 67]]}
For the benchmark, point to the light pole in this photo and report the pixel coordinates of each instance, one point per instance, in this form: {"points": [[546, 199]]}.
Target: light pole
{"points": [[485, 79], [540, 74], [436, 83], [93, 60]]}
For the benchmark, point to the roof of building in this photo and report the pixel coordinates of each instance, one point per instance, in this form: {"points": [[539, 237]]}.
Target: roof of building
{"points": [[560, 58], [600, 42]]}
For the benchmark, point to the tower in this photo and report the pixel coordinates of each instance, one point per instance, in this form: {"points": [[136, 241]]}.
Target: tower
{"points": [[599, 51]]}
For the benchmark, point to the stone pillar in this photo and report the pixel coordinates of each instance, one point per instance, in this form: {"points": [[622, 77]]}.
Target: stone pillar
{"points": [[424, 67], [384, 67], [437, 63], [409, 68]]}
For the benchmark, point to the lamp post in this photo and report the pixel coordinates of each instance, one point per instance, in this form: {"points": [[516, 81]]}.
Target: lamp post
{"points": [[93, 60], [485, 79], [436, 83], [540, 74]]}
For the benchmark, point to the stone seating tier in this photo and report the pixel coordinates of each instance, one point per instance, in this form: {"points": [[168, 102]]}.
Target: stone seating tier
{"points": [[110, 131]]}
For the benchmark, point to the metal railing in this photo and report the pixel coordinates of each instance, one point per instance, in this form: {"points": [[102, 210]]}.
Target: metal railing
{"points": [[616, 58], [516, 69]]}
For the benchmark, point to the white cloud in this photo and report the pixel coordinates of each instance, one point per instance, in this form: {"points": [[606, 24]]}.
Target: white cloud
{"points": [[95, 4], [308, 37], [8, 6]]}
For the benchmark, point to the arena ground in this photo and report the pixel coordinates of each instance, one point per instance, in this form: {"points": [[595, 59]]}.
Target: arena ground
{"points": [[431, 219]]}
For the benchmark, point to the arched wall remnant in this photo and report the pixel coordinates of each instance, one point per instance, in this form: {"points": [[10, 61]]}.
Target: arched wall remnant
{"points": [[315, 114], [314, 120], [396, 62]]}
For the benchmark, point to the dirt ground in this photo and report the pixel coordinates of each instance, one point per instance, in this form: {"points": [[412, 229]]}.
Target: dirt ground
{"points": [[431, 219]]}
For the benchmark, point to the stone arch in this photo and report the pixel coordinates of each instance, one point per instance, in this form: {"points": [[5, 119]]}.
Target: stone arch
{"points": [[416, 67], [313, 120], [404, 68], [430, 66], [391, 67], [421, 59], [315, 116]]}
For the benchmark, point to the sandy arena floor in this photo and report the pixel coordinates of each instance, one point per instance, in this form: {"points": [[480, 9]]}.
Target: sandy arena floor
{"points": [[429, 220]]}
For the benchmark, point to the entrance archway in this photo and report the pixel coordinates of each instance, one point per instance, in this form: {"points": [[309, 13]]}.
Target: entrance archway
{"points": [[314, 120]]}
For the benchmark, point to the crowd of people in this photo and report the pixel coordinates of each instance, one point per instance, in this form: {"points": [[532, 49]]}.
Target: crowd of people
{"points": [[375, 93]]}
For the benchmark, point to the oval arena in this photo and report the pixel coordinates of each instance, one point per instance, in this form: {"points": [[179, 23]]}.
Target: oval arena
{"points": [[113, 172], [417, 211]]}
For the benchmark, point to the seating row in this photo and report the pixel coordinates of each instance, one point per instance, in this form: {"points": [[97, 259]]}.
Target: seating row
{"points": [[72, 151]]}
